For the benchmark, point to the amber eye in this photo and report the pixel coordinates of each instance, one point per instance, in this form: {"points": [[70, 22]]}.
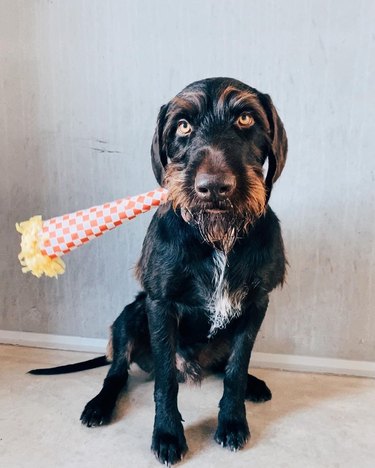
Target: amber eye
{"points": [[245, 120], [183, 127]]}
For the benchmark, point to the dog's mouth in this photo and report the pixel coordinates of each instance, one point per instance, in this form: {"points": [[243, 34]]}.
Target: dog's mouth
{"points": [[216, 211], [218, 225], [224, 207]]}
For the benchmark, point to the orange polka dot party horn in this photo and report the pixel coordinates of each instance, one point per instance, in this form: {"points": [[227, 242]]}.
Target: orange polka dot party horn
{"points": [[44, 242]]}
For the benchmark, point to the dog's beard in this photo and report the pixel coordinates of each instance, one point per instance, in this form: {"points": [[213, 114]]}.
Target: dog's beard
{"points": [[221, 230]]}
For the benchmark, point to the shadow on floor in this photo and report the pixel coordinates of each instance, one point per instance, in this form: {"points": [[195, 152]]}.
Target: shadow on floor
{"points": [[292, 393]]}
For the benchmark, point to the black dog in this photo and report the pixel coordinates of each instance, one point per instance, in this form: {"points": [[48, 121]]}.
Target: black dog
{"points": [[210, 258]]}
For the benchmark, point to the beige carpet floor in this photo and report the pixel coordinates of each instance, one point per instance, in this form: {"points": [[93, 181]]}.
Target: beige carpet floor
{"points": [[312, 420]]}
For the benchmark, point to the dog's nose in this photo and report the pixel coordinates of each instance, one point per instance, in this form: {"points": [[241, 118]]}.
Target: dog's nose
{"points": [[217, 186]]}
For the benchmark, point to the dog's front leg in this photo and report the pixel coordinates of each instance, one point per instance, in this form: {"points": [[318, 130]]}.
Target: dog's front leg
{"points": [[168, 439], [233, 430]]}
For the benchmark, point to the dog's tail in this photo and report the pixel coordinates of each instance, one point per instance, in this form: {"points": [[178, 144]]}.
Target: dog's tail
{"points": [[77, 367]]}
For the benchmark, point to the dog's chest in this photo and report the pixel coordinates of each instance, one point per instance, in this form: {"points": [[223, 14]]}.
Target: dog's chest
{"points": [[224, 302]]}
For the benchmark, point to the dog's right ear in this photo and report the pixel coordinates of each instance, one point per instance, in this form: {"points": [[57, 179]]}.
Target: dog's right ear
{"points": [[158, 151]]}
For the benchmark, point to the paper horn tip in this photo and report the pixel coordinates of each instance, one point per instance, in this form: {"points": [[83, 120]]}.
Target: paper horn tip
{"points": [[31, 257]]}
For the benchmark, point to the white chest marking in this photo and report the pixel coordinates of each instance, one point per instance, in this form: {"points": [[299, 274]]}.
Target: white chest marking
{"points": [[223, 305]]}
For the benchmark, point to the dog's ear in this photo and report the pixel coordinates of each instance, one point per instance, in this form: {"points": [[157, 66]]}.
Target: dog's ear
{"points": [[278, 145], [158, 151]]}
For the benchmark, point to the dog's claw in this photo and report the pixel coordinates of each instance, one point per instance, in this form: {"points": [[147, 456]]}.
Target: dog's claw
{"points": [[169, 449], [232, 434], [96, 413]]}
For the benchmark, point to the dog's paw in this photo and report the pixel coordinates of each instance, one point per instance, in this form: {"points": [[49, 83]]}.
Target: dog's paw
{"points": [[257, 390], [168, 448], [97, 412], [232, 434]]}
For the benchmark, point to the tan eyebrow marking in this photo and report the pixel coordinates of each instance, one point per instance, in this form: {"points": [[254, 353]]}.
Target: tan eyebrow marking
{"points": [[235, 97], [189, 101]]}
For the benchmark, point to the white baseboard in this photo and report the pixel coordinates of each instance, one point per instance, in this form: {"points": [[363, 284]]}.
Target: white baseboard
{"points": [[44, 340], [262, 360], [321, 365]]}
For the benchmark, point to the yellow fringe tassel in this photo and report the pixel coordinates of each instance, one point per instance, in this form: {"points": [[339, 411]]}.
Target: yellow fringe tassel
{"points": [[31, 257]]}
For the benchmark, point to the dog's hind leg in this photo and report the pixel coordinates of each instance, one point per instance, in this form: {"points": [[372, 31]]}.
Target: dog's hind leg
{"points": [[126, 331], [257, 390]]}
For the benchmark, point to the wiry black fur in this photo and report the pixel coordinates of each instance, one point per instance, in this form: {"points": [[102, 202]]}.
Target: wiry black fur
{"points": [[168, 330]]}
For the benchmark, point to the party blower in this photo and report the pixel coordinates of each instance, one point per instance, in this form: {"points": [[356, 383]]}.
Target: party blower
{"points": [[43, 243]]}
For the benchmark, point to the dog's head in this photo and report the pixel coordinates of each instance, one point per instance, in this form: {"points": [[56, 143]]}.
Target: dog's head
{"points": [[209, 148]]}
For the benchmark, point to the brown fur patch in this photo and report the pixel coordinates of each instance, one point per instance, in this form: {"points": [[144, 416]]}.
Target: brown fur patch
{"points": [[189, 100], [175, 181], [109, 350], [189, 370], [138, 271], [256, 196], [129, 351]]}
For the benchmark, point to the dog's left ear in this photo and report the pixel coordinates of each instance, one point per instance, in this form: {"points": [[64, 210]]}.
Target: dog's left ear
{"points": [[158, 152], [279, 143]]}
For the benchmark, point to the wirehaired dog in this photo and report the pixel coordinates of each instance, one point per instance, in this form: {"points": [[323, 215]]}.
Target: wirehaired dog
{"points": [[209, 260]]}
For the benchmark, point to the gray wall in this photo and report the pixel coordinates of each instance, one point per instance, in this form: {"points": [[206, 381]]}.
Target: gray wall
{"points": [[81, 83]]}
